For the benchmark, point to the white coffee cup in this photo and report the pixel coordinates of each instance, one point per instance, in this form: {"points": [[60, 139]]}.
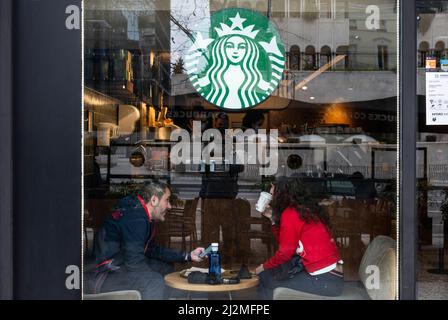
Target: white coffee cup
{"points": [[263, 201]]}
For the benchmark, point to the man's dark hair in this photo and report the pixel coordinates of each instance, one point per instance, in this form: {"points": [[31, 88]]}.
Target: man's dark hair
{"points": [[251, 117], [153, 188]]}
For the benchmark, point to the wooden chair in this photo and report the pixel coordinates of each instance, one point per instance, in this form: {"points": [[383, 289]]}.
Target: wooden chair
{"points": [[98, 210], [345, 221], [245, 232], [355, 223], [180, 222]]}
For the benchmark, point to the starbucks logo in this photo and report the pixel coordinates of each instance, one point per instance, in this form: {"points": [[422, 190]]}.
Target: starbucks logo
{"points": [[237, 61]]}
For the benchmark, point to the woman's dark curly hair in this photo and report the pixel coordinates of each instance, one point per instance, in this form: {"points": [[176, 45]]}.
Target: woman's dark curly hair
{"points": [[293, 192]]}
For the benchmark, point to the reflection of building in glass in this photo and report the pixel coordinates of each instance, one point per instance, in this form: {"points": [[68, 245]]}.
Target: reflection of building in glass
{"points": [[314, 34], [432, 26], [337, 27]]}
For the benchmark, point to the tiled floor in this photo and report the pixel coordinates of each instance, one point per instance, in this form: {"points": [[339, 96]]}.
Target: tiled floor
{"points": [[431, 286]]}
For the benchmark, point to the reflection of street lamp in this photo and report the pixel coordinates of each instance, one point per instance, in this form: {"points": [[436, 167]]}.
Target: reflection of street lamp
{"points": [[151, 59]]}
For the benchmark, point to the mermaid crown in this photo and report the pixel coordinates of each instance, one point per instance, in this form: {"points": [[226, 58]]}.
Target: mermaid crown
{"points": [[237, 28]]}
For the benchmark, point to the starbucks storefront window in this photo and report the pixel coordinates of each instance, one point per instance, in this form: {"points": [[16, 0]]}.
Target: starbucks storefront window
{"points": [[432, 149], [240, 149]]}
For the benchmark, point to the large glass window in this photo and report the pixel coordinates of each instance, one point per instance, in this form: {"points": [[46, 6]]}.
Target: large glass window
{"points": [[432, 148], [312, 85]]}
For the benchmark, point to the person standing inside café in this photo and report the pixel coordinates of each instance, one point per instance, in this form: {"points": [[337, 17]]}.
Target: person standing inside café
{"points": [[307, 259], [126, 254], [199, 114], [218, 192], [253, 119]]}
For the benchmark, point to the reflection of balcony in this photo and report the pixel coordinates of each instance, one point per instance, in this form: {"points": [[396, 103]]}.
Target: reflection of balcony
{"points": [[346, 86], [328, 87]]}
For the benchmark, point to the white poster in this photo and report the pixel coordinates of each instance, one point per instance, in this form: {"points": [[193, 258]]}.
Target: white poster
{"points": [[436, 98]]}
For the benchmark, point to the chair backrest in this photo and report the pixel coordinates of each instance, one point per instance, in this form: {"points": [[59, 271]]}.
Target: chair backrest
{"points": [[243, 207], [190, 208], [180, 221], [378, 271], [246, 220]]}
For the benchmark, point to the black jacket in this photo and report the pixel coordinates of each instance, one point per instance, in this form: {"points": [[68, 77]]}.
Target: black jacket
{"points": [[220, 185], [127, 238]]}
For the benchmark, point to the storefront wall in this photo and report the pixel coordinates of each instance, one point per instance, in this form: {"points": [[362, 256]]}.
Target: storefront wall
{"points": [[46, 144], [324, 76], [6, 265], [48, 182]]}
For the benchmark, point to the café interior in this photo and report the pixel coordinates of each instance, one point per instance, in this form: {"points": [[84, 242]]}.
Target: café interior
{"points": [[334, 112]]}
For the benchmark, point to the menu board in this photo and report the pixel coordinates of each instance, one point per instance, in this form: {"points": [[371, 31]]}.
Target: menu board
{"points": [[436, 98]]}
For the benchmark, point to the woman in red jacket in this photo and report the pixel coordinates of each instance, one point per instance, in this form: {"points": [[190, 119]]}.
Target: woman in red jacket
{"points": [[301, 230]]}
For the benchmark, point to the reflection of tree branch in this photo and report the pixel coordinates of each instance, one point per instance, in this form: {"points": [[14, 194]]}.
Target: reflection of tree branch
{"points": [[181, 27], [195, 7], [188, 32]]}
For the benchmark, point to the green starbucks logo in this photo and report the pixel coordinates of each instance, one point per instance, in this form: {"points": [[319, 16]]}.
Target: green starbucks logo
{"points": [[237, 61]]}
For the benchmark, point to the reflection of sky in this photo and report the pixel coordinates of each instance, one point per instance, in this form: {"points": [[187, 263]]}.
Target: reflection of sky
{"points": [[132, 19], [189, 13]]}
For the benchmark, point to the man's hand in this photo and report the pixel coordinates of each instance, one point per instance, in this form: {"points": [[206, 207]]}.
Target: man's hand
{"points": [[259, 269], [195, 254]]}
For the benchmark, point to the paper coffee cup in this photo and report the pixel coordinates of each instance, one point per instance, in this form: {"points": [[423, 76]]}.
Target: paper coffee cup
{"points": [[263, 201]]}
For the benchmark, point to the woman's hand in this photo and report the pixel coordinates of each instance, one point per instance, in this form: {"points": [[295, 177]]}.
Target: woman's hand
{"points": [[268, 213], [259, 269]]}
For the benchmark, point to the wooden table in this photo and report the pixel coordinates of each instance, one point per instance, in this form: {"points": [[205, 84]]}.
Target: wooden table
{"points": [[176, 281]]}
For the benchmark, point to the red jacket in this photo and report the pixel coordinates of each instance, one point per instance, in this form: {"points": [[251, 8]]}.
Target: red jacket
{"points": [[319, 249]]}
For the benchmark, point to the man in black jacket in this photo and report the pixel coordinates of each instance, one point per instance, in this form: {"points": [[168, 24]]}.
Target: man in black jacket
{"points": [[127, 257]]}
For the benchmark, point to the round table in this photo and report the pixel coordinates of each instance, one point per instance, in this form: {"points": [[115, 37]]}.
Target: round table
{"points": [[176, 281]]}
